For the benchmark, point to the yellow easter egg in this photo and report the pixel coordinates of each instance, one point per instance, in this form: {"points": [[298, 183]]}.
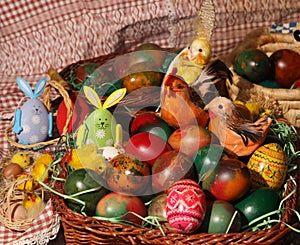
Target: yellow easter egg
{"points": [[268, 166]]}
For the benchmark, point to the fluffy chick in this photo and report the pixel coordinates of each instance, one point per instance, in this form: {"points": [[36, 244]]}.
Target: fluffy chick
{"points": [[21, 158]]}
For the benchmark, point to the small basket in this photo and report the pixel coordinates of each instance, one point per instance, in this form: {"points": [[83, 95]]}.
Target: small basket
{"points": [[47, 102], [79, 229], [283, 102], [10, 196]]}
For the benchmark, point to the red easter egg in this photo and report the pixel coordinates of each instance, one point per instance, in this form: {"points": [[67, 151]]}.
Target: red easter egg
{"points": [[80, 108], [146, 146], [189, 139], [186, 206], [171, 167], [228, 181], [286, 63], [116, 205]]}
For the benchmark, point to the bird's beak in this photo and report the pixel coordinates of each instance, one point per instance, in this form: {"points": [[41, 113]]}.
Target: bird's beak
{"points": [[205, 108]]}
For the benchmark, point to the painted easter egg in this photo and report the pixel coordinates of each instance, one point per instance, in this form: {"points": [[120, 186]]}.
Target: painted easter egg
{"points": [[171, 167], [268, 166], [189, 139], [147, 146], [157, 206], [124, 207], [254, 65], [228, 181], [258, 203], [80, 109], [126, 173], [224, 217], [286, 63], [186, 206], [81, 180], [109, 152]]}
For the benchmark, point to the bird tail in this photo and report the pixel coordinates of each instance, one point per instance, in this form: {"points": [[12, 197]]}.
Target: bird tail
{"points": [[255, 131], [212, 81]]}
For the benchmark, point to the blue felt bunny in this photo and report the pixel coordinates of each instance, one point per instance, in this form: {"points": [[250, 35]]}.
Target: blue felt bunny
{"points": [[32, 122]]}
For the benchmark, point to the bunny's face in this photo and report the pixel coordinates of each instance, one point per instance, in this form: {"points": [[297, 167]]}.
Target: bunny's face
{"points": [[101, 126]]}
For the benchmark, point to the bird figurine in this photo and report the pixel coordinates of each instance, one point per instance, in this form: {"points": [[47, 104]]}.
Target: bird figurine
{"points": [[234, 132], [177, 107], [189, 63], [87, 157], [183, 104], [34, 204]]}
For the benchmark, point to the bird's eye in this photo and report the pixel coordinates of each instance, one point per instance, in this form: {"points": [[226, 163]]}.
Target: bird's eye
{"points": [[189, 47], [220, 106], [179, 86], [200, 50]]}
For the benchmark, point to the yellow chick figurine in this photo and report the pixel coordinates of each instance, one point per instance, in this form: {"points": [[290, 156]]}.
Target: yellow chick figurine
{"points": [[26, 185], [33, 204], [21, 158], [40, 166], [87, 157]]}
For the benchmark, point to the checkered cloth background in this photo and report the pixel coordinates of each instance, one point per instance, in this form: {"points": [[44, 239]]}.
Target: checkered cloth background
{"points": [[37, 35], [43, 229]]}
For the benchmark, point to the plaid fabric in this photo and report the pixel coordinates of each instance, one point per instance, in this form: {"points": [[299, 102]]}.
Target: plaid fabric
{"points": [[37, 35], [43, 229]]}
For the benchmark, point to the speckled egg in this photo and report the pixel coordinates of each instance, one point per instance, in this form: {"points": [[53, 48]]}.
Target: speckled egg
{"points": [[268, 166], [186, 206], [126, 173]]}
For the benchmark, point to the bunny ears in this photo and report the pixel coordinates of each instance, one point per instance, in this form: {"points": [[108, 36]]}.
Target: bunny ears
{"points": [[111, 100], [25, 87]]}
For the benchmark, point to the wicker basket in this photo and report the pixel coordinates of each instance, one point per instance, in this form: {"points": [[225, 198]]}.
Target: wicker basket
{"points": [[283, 102], [47, 102], [9, 196], [79, 229]]}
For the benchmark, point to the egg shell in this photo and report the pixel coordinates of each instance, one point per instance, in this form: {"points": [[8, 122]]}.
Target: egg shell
{"points": [[12, 170], [117, 205], [18, 211], [229, 180], [221, 216], [186, 206], [157, 206], [258, 203], [109, 152], [34, 121], [268, 166], [80, 109], [126, 173]]}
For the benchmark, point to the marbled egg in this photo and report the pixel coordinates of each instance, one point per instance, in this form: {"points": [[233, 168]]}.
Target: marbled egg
{"points": [[268, 166], [186, 206]]}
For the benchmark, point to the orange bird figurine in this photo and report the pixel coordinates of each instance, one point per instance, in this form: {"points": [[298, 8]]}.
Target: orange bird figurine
{"points": [[236, 133], [182, 104], [177, 106]]}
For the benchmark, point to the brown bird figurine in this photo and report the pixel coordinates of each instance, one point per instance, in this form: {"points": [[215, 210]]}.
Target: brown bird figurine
{"points": [[177, 106], [183, 104], [234, 132]]}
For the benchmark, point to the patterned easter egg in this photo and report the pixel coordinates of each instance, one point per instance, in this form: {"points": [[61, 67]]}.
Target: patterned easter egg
{"points": [[268, 166], [186, 206]]}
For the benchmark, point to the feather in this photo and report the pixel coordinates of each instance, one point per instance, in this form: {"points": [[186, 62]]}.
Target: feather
{"points": [[212, 81]]}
